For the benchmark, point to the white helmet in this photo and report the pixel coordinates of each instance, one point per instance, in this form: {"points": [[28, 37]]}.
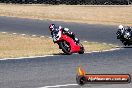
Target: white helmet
{"points": [[120, 27]]}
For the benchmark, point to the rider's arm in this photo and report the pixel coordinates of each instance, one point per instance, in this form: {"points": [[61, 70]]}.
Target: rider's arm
{"points": [[66, 29], [52, 34]]}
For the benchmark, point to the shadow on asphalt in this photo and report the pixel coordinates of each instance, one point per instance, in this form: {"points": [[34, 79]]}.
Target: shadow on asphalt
{"points": [[59, 54], [125, 47]]}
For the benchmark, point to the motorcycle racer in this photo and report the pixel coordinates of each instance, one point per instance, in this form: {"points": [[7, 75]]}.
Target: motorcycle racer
{"points": [[121, 30], [55, 29], [125, 35], [128, 33]]}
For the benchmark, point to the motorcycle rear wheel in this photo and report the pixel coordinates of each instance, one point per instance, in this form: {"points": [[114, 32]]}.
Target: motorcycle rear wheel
{"points": [[81, 49]]}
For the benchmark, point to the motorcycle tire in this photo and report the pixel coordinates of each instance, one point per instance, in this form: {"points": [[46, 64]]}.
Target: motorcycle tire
{"points": [[125, 43], [64, 48], [118, 37], [81, 49]]}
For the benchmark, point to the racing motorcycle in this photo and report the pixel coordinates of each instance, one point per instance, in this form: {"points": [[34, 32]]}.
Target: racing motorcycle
{"points": [[125, 37], [119, 34], [67, 44]]}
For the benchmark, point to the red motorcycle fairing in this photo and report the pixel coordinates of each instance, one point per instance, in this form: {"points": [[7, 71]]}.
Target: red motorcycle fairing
{"points": [[74, 47]]}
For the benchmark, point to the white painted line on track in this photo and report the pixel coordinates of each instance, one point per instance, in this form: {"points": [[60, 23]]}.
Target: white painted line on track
{"points": [[104, 50], [23, 34], [55, 55], [110, 44], [58, 86], [3, 32], [42, 36], [34, 35], [105, 43], [50, 37], [14, 33], [25, 57]]}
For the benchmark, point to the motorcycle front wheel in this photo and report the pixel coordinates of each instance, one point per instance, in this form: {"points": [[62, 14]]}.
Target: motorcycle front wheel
{"points": [[66, 48]]}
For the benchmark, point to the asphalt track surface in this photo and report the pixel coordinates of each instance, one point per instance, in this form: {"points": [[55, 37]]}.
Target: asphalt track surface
{"points": [[61, 70]]}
